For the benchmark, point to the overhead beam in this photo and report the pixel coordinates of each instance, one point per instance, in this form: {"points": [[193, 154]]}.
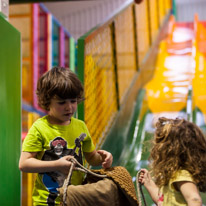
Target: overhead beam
{"points": [[40, 1]]}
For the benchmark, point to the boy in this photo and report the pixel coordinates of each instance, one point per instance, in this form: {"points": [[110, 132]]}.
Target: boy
{"points": [[49, 142]]}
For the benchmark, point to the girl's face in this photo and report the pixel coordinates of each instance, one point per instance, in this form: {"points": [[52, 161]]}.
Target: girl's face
{"points": [[61, 110]]}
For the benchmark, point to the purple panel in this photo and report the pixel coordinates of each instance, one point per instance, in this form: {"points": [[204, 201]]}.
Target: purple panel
{"points": [[35, 30]]}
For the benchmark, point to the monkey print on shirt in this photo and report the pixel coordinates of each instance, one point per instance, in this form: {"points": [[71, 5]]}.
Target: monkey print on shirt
{"points": [[58, 149]]}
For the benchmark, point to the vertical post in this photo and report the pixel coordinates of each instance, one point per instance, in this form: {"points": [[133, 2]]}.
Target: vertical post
{"points": [[72, 54], [115, 64], [135, 38], [49, 41], [158, 14], [174, 8], [149, 22], [189, 104], [29, 175], [61, 46], [80, 71], [35, 50]]}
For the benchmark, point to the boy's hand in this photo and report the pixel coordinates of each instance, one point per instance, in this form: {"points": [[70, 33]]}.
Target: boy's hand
{"points": [[107, 158], [64, 164]]}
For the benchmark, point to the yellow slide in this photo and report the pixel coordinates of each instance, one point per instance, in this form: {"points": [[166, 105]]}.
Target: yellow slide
{"points": [[199, 81], [167, 92]]}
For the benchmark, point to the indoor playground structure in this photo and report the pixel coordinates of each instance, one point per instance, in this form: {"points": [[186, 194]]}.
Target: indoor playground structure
{"points": [[136, 66]]}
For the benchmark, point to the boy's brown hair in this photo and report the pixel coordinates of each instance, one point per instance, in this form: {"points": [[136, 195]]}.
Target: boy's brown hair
{"points": [[58, 82]]}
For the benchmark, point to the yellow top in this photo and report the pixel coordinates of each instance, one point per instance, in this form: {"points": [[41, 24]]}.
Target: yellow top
{"points": [[172, 197]]}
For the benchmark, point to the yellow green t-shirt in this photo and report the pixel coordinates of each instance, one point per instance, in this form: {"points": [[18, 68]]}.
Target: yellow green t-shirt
{"points": [[45, 138], [172, 197]]}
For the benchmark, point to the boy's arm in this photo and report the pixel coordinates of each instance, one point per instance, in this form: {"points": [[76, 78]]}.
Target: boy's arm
{"points": [[29, 163], [100, 157], [190, 192], [149, 184]]}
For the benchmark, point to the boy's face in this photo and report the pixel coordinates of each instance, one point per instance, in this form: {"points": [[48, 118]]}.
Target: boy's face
{"points": [[61, 110]]}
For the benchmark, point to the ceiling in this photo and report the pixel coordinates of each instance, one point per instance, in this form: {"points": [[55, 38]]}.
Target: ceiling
{"points": [[41, 1]]}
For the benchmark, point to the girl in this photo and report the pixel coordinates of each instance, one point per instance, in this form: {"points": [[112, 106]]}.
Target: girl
{"points": [[178, 164]]}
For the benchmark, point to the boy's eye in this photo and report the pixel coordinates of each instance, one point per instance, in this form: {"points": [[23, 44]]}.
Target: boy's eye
{"points": [[62, 102], [65, 101]]}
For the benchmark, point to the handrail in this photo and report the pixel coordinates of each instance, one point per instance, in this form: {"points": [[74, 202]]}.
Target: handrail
{"points": [[171, 27], [196, 25], [189, 104]]}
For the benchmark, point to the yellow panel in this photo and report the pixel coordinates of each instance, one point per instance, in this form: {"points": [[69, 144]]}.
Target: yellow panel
{"points": [[21, 19], [199, 86], [153, 19], [24, 120], [99, 82], [168, 90], [199, 81], [161, 10], [23, 24], [19, 9], [28, 178], [142, 30], [26, 49], [125, 50], [168, 5]]}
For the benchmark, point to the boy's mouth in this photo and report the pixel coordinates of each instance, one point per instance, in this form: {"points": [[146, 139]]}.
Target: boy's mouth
{"points": [[67, 114]]}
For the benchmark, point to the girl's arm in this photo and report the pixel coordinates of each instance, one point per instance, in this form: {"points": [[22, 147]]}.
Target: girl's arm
{"points": [[29, 163], [100, 157], [149, 184], [190, 192]]}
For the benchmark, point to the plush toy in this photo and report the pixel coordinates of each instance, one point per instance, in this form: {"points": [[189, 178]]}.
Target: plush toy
{"points": [[108, 187]]}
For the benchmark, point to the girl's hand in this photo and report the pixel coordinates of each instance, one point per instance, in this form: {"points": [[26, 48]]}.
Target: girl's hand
{"points": [[144, 176], [107, 158], [145, 179]]}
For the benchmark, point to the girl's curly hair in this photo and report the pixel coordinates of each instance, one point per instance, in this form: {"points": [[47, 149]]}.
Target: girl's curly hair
{"points": [[178, 144], [60, 82]]}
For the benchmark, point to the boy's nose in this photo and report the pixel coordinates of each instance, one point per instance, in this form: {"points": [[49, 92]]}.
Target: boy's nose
{"points": [[68, 106]]}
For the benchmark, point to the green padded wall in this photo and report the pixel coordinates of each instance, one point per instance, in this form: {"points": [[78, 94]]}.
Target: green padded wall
{"points": [[10, 114]]}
